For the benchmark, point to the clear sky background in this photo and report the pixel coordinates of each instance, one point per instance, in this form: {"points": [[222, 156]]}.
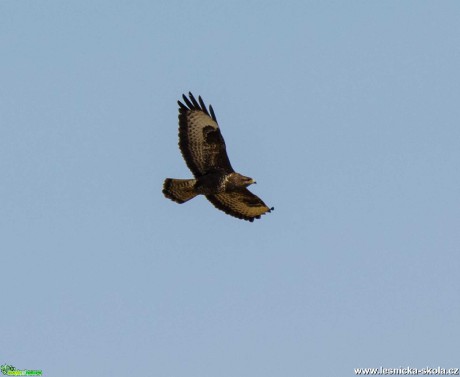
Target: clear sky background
{"points": [[345, 112]]}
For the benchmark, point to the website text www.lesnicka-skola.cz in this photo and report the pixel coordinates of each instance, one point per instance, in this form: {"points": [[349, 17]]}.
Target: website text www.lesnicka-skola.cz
{"points": [[407, 371]]}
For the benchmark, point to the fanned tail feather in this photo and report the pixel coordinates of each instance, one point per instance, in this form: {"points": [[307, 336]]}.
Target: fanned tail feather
{"points": [[179, 190]]}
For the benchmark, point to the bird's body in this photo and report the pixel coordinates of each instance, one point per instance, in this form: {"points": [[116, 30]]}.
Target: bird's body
{"points": [[204, 151]]}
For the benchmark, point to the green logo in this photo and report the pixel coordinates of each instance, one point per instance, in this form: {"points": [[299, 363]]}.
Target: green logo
{"points": [[9, 370]]}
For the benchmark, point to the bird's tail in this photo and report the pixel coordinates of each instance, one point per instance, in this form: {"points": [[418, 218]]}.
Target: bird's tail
{"points": [[179, 190]]}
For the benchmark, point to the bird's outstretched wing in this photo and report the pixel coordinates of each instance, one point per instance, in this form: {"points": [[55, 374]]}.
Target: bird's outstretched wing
{"points": [[242, 204], [200, 140]]}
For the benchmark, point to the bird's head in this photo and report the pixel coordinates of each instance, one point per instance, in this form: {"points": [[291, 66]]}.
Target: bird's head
{"points": [[239, 180]]}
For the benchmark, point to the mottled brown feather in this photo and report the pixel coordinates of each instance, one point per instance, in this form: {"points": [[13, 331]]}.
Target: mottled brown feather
{"points": [[200, 139], [241, 203]]}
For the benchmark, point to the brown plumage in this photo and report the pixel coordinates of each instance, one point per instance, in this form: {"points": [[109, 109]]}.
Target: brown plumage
{"points": [[204, 152]]}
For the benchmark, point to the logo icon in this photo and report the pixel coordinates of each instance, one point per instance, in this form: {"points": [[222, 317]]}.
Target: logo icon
{"points": [[9, 370]]}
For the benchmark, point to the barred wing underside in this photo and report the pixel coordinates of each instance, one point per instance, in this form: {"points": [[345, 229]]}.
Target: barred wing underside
{"points": [[200, 140], [242, 204]]}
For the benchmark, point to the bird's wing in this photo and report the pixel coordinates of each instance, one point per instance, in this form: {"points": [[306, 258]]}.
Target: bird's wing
{"points": [[242, 204], [200, 140]]}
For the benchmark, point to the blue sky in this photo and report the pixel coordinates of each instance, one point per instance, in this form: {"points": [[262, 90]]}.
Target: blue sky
{"points": [[347, 115]]}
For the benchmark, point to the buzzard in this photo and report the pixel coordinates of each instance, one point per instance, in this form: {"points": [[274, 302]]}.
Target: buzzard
{"points": [[203, 149]]}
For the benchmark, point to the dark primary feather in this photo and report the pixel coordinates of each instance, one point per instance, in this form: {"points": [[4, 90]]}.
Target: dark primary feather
{"points": [[193, 105]]}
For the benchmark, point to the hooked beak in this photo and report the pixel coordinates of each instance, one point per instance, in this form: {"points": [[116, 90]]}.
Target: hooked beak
{"points": [[249, 181]]}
